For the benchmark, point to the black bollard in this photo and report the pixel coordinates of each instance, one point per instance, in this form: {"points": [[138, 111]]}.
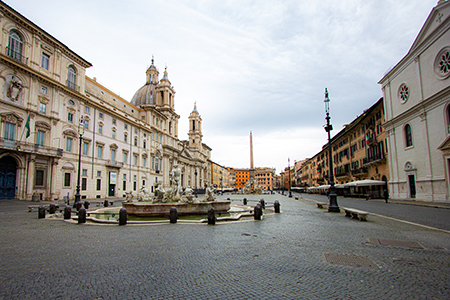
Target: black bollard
{"points": [[86, 204], [52, 208], [67, 212], [106, 203], [41, 212], [245, 201], [211, 216], [173, 215], [257, 212], [123, 216], [77, 205], [228, 199], [276, 206], [263, 204], [81, 215]]}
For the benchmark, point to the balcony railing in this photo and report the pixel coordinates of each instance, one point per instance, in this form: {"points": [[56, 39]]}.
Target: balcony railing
{"points": [[72, 86], [372, 140], [30, 148], [16, 55], [374, 158], [358, 171], [114, 163]]}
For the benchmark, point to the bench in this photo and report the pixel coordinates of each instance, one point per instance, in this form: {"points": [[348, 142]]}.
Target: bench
{"points": [[356, 214], [322, 205]]}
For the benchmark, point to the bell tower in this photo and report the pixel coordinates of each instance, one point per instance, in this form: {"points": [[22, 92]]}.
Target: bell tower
{"points": [[195, 129]]}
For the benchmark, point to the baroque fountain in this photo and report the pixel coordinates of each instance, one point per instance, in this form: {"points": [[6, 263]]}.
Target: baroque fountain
{"points": [[185, 202]]}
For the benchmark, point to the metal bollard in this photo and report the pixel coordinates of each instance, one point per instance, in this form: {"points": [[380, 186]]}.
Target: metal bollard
{"points": [[86, 204], [257, 212], [106, 203], [263, 204], [41, 212], [276, 206], [77, 205], [173, 215], [211, 216], [123, 216], [245, 201], [67, 212], [52, 208], [82, 215]]}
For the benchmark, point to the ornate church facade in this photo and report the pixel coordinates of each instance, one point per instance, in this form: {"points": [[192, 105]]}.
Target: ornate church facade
{"points": [[60, 129]]}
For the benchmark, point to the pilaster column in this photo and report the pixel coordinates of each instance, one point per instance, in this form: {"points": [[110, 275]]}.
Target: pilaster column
{"points": [[30, 177], [53, 189]]}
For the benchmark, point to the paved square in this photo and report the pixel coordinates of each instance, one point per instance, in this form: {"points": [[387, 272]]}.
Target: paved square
{"points": [[280, 257]]}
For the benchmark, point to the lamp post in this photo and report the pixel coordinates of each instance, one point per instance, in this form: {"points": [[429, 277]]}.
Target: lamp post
{"points": [[333, 207], [195, 173], [77, 202], [289, 182]]}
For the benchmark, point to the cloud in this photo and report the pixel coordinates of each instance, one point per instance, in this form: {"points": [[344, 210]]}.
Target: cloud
{"points": [[250, 65]]}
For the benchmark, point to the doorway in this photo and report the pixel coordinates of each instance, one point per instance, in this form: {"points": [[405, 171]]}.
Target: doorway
{"points": [[412, 186], [8, 169], [112, 184]]}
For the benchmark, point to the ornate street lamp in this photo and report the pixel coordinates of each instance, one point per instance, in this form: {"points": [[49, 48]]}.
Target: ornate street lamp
{"points": [[77, 203], [289, 183], [195, 173], [333, 207]]}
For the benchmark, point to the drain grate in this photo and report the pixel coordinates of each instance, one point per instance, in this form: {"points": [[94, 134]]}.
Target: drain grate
{"points": [[395, 243], [349, 260]]}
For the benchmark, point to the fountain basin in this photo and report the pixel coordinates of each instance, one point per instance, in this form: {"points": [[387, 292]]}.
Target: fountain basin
{"points": [[163, 209]]}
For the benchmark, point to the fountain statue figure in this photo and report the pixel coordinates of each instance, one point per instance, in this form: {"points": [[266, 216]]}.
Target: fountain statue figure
{"points": [[176, 184], [210, 190], [188, 196], [160, 197]]}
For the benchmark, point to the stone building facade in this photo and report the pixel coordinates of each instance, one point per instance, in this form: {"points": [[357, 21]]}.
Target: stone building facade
{"points": [[417, 102], [359, 152], [51, 112]]}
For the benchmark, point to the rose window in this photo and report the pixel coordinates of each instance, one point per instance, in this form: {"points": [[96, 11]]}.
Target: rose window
{"points": [[403, 93], [442, 63]]}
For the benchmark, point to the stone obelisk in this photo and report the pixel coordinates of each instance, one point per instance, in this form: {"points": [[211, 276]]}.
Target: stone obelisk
{"points": [[252, 169]]}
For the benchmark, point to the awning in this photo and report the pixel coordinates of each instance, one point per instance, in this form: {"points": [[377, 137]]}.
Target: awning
{"points": [[365, 182]]}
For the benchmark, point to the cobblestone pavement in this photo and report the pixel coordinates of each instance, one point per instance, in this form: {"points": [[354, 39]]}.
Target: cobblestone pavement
{"points": [[292, 255], [429, 214]]}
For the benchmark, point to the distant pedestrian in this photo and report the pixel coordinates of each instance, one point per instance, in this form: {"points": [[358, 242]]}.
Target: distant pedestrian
{"points": [[386, 196]]}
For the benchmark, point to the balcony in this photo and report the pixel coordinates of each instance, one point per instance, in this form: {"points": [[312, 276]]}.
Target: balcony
{"points": [[341, 173], [374, 159], [114, 164], [72, 86], [372, 140], [360, 171], [30, 148], [16, 55]]}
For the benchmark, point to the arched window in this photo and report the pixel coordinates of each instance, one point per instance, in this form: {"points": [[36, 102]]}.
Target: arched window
{"points": [[72, 78], [408, 135], [15, 45]]}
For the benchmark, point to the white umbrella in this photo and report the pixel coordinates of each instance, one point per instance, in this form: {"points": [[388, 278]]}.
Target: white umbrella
{"points": [[365, 182]]}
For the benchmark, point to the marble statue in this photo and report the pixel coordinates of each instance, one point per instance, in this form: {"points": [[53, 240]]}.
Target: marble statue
{"points": [[210, 190]]}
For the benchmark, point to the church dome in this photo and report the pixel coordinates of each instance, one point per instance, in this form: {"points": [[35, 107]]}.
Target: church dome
{"points": [[144, 95]]}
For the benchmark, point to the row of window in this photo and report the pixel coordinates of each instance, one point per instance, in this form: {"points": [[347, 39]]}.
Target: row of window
{"points": [[85, 151], [15, 50], [84, 181]]}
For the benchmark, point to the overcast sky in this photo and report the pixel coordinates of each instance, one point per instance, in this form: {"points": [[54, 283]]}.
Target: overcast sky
{"points": [[258, 66]]}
